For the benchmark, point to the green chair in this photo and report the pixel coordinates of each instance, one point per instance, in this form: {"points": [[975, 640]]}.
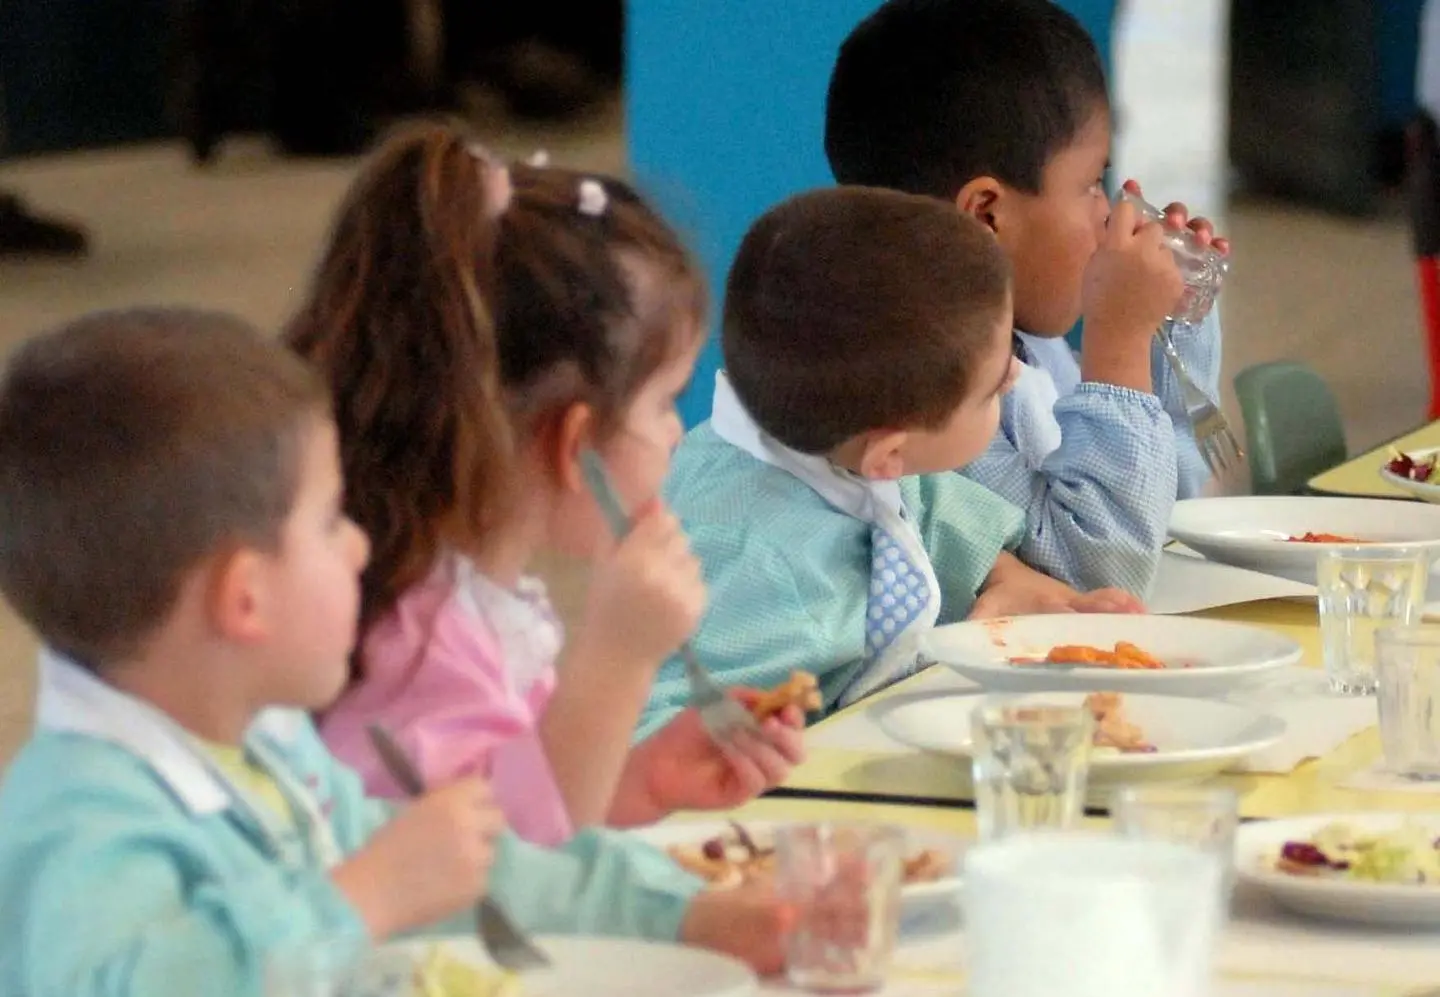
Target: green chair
{"points": [[1292, 425]]}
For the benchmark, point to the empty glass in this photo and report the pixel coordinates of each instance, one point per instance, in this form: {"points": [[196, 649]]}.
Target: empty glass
{"points": [[1030, 763], [844, 881], [1409, 700], [1203, 268], [1202, 817], [1362, 590]]}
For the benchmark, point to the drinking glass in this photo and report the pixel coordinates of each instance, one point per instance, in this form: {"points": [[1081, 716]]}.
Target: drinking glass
{"points": [[1088, 915], [1030, 763], [1202, 817], [1409, 700], [844, 880], [1362, 590], [1203, 268]]}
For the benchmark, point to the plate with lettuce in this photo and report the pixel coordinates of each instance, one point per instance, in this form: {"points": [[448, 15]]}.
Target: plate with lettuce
{"points": [[1373, 868]]}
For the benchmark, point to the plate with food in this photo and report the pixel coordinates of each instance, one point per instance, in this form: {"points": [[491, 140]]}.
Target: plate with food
{"points": [[1414, 472], [580, 967], [730, 854], [1138, 738], [1164, 655], [1375, 868], [1284, 535]]}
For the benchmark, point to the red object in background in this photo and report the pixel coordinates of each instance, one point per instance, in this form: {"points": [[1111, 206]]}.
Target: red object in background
{"points": [[1427, 272], [1424, 153]]}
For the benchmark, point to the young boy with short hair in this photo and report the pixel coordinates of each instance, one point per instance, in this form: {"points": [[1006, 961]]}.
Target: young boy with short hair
{"points": [[867, 348], [171, 525], [999, 107]]}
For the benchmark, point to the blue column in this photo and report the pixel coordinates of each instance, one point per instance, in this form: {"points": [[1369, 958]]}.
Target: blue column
{"points": [[725, 112]]}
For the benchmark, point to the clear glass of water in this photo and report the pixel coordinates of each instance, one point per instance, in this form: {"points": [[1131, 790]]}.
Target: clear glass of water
{"points": [[844, 880], [1409, 700], [1363, 590], [1030, 764], [1203, 817], [1203, 268]]}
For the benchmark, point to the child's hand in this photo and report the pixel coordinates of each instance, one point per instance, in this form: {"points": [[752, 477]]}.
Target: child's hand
{"points": [[749, 923], [1131, 284], [646, 595], [1016, 589], [680, 767], [1106, 601], [432, 860], [1178, 216]]}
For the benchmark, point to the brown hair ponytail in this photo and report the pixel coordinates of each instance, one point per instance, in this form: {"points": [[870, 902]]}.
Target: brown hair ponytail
{"points": [[458, 302]]}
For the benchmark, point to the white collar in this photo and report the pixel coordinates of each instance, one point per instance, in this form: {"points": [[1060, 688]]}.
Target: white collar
{"points": [[72, 699], [872, 501]]}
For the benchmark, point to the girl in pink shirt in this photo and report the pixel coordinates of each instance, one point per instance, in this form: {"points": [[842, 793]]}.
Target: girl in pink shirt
{"points": [[480, 326]]}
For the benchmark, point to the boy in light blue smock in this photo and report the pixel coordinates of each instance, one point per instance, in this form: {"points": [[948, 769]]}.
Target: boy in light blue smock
{"points": [[170, 519], [867, 348], [999, 108]]}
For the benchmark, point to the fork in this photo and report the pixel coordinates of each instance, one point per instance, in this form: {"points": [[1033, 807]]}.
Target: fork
{"points": [[721, 716], [1217, 442], [506, 944]]}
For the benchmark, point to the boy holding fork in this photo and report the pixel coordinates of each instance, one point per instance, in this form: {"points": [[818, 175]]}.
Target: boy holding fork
{"points": [[171, 525]]}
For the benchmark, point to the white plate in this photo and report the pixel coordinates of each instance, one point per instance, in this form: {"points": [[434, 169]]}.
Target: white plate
{"points": [[916, 839], [1258, 844], [1194, 738], [1204, 657], [1427, 490], [604, 967], [1249, 532]]}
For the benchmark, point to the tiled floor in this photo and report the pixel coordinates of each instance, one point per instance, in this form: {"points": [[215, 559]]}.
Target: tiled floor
{"points": [[241, 236]]}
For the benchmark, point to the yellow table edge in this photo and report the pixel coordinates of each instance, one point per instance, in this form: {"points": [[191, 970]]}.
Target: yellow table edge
{"points": [[1312, 787], [1359, 477]]}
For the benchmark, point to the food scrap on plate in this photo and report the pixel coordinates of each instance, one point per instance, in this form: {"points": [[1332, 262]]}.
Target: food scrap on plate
{"points": [[737, 858], [1405, 466], [1113, 730], [1407, 855], [1124, 656], [1324, 538], [443, 974]]}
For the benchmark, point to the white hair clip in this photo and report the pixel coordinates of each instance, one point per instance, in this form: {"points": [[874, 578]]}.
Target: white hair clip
{"points": [[538, 159], [593, 199], [494, 181]]}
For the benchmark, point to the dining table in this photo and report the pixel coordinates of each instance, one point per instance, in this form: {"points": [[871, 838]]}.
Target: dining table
{"points": [[1359, 477], [1264, 951]]}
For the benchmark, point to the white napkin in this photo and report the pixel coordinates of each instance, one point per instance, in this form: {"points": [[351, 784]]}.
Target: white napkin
{"points": [[1317, 721], [1186, 583]]}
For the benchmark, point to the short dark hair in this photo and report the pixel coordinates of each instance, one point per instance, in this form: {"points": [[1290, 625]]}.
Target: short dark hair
{"points": [[133, 445], [927, 95], [853, 309]]}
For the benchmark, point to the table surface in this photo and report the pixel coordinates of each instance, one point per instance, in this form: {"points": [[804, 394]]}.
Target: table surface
{"points": [[1360, 476], [1263, 951], [1313, 787]]}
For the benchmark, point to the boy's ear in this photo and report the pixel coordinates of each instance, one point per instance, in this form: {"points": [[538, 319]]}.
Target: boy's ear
{"points": [[238, 599], [882, 458], [982, 199]]}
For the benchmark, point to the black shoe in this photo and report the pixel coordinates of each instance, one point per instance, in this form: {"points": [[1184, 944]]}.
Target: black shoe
{"points": [[25, 234]]}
